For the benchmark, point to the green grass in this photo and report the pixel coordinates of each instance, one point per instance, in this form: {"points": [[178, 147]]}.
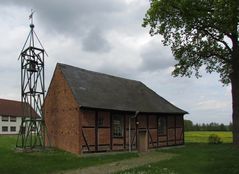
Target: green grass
{"points": [[197, 157], [202, 136], [12, 162]]}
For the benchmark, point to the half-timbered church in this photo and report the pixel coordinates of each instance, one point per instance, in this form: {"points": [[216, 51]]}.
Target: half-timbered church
{"points": [[87, 111]]}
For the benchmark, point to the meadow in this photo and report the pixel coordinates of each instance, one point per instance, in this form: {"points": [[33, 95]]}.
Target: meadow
{"points": [[202, 136], [195, 157], [12, 162]]}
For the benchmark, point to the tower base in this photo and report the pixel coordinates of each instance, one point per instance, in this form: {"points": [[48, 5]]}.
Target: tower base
{"points": [[31, 135]]}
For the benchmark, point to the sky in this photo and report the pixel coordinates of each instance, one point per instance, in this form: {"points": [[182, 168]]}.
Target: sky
{"points": [[105, 36]]}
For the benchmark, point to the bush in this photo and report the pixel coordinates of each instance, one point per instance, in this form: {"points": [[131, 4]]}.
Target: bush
{"points": [[214, 139]]}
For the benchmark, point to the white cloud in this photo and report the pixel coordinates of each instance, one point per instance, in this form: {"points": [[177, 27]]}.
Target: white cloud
{"points": [[212, 105], [105, 36]]}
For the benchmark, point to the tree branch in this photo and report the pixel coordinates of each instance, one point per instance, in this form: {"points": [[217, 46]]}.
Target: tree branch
{"points": [[217, 39], [219, 56]]}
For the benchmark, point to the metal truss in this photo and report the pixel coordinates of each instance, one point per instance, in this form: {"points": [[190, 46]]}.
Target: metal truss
{"points": [[32, 131]]}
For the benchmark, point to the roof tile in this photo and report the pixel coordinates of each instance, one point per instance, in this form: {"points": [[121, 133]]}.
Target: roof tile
{"points": [[102, 91]]}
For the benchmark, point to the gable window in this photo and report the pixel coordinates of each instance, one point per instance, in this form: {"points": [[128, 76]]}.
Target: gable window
{"points": [[117, 126], [5, 118], [13, 119], [4, 129], [162, 125], [13, 128]]}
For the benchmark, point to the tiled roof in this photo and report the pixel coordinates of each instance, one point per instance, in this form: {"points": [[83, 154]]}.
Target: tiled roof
{"points": [[102, 91], [13, 108]]}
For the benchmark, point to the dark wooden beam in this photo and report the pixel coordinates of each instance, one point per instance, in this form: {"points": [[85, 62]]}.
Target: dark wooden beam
{"points": [[96, 130], [124, 131], [175, 131], [167, 128], [85, 140], [136, 131], [111, 141], [147, 120], [157, 120]]}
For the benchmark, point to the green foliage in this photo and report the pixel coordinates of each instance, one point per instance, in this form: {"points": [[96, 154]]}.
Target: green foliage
{"points": [[199, 32], [48, 161], [189, 126], [202, 136], [214, 139]]}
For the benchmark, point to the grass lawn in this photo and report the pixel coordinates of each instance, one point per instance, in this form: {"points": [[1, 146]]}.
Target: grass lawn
{"points": [[197, 157], [12, 162]]}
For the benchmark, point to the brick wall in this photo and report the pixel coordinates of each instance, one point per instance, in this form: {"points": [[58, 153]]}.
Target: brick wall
{"points": [[88, 130], [95, 139], [62, 115]]}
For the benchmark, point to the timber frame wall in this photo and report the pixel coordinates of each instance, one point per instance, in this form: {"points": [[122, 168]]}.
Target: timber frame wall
{"points": [[97, 138]]}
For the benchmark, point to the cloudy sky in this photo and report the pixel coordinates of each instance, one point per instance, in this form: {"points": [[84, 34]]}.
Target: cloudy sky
{"points": [[105, 36]]}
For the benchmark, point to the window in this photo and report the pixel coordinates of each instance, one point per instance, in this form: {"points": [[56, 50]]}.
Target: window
{"points": [[4, 129], [13, 128], [13, 119], [118, 126], [100, 120], [4, 118], [162, 125]]}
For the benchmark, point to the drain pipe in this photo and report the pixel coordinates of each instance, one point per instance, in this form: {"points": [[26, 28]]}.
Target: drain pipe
{"points": [[135, 115]]}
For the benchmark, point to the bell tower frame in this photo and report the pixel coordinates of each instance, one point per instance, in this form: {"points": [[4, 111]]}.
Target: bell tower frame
{"points": [[32, 130]]}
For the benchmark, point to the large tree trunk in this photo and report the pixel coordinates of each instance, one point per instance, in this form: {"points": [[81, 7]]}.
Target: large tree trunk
{"points": [[235, 107], [235, 90]]}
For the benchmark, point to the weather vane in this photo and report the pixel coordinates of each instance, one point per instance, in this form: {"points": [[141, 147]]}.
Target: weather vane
{"points": [[31, 16]]}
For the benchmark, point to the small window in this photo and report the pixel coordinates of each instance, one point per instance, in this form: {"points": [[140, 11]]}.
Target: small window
{"points": [[118, 126], [100, 120], [162, 125], [4, 118], [4, 129], [13, 119], [13, 128]]}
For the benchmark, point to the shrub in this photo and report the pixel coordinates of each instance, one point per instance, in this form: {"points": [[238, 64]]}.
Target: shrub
{"points": [[214, 139]]}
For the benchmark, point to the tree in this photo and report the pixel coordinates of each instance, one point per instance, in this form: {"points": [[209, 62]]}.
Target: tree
{"points": [[202, 34], [230, 127], [188, 125], [222, 127]]}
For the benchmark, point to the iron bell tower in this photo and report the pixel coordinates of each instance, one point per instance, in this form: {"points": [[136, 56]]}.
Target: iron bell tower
{"points": [[32, 131]]}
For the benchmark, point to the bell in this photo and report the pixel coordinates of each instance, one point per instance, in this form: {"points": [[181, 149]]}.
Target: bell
{"points": [[32, 66]]}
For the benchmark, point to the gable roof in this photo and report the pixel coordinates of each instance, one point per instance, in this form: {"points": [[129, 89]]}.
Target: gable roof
{"points": [[102, 91], [13, 108]]}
